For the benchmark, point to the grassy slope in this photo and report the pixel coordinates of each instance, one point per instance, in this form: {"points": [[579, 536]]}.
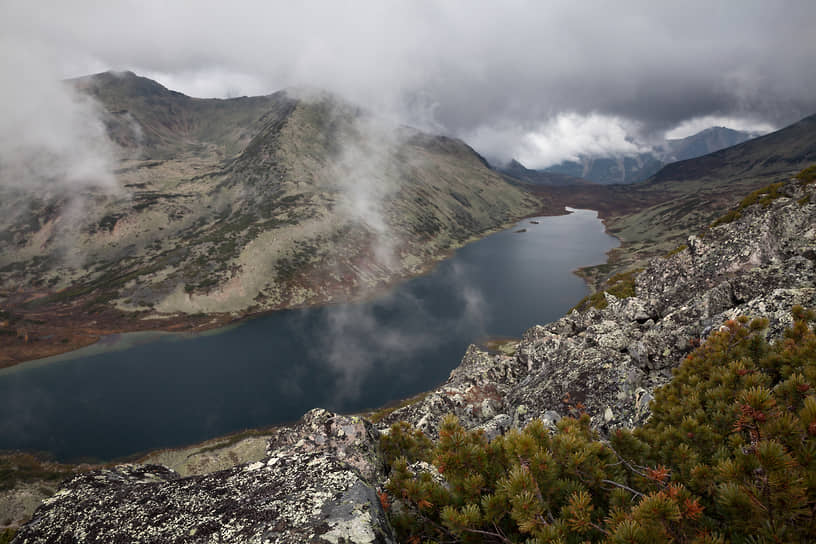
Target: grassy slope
{"points": [[239, 206]]}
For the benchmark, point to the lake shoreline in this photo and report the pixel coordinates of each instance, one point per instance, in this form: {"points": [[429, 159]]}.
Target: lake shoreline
{"points": [[517, 280], [44, 337]]}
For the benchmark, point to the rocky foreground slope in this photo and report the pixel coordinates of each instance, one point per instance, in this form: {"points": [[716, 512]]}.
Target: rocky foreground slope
{"points": [[318, 481]]}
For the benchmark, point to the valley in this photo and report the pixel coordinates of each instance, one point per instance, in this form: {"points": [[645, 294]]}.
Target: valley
{"points": [[308, 205], [399, 272], [230, 208], [226, 209]]}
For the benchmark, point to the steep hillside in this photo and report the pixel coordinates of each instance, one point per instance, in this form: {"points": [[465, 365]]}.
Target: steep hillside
{"points": [[232, 207], [773, 154], [153, 122]]}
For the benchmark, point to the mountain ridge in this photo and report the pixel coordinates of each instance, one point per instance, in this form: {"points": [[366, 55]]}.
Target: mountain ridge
{"points": [[654, 216], [232, 207], [641, 166], [743, 156]]}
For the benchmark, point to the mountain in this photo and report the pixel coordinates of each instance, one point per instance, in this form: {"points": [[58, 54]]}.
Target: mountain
{"points": [[149, 121], [635, 168], [236, 206], [776, 153], [515, 170], [704, 142], [607, 170], [655, 216]]}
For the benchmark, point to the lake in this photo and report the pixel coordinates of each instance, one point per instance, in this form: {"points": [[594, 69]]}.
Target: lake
{"points": [[137, 392]]}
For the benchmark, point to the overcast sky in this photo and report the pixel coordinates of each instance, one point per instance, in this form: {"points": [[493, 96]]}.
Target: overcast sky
{"points": [[537, 80]]}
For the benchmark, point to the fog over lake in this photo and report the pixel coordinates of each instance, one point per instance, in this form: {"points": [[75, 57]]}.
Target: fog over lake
{"points": [[136, 392]]}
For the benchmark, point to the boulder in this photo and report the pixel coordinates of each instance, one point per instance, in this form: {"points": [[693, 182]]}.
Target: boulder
{"points": [[317, 484]]}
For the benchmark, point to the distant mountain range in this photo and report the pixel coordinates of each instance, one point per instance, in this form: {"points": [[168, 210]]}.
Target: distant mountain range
{"points": [[518, 171], [635, 168], [232, 207], [764, 157], [687, 196]]}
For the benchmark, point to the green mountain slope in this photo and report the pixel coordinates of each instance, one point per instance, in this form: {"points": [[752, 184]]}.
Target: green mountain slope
{"points": [[777, 153], [239, 206]]}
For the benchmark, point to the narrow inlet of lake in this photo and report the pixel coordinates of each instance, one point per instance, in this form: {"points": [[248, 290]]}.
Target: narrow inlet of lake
{"points": [[135, 393]]}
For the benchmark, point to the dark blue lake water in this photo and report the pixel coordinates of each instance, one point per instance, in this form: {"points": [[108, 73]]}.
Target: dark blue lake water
{"points": [[136, 392]]}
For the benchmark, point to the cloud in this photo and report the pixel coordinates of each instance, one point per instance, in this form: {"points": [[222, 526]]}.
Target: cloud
{"points": [[55, 155], [211, 82], [51, 138], [359, 339], [565, 137], [366, 184], [463, 67]]}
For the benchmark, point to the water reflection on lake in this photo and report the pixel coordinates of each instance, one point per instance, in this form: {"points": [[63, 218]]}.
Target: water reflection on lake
{"points": [[138, 392]]}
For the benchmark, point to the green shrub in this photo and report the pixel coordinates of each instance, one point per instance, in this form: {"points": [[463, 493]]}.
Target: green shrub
{"points": [[729, 454], [763, 196], [621, 285], [807, 175], [20, 467], [679, 249]]}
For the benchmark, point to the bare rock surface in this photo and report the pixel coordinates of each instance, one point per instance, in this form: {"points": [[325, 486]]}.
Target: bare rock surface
{"points": [[316, 484], [608, 361]]}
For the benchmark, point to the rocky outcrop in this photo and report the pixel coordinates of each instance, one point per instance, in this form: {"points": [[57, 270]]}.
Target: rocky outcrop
{"points": [[318, 479], [316, 484], [608, 361]]}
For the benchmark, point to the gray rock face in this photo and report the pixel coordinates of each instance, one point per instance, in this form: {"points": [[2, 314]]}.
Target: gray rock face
{"points": [[315, 485], [607, 362]]}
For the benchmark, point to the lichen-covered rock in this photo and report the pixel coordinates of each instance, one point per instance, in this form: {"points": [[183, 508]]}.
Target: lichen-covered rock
{"points": [[477, 391], [317, 484], [607, 362]]}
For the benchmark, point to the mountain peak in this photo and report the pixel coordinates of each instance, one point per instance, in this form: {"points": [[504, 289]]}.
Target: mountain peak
{"points": [[515, 165], [121, 83]]}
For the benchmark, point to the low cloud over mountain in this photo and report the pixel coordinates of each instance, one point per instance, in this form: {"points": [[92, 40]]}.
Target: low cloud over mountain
{"points": [[503, 75]]}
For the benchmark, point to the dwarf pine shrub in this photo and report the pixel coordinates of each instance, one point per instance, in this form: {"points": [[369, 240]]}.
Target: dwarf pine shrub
{"points": [[621, 285], [807, 175], [763, 196], [728, 455]]}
